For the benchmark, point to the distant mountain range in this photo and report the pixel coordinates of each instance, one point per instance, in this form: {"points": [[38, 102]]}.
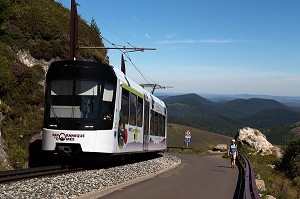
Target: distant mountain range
{"points": [[227, 116], [291, 101]]}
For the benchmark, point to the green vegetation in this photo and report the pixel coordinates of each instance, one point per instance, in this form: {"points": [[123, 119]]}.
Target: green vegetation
{"points": [[271, 117], [217, 124], [200, 139], [42, 28], [277, 184], [193, 151], [278, 135], [290, 163]]}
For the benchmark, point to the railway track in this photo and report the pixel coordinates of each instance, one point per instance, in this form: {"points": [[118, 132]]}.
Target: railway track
{"points": [[20, 174], [73, 184]]}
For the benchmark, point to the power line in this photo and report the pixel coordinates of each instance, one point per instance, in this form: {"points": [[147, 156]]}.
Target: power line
{"points": [[121, 48], [110, 29]]}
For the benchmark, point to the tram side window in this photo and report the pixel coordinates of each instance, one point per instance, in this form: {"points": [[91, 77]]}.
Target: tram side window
{"points": [[163, 125], [146, 118], [140, 112], [152, 132], [159, 125], [125, 107], [132, 108], [156, 124]]}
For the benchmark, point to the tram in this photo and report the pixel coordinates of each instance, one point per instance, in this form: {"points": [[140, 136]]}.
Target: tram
{"points": [[91, 107], [93, 110]]}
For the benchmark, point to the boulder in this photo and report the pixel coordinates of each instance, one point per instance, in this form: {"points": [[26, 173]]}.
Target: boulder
{"points": [[270, 197], [276, 151], [260, 185], [257, 140], [220, 147]]}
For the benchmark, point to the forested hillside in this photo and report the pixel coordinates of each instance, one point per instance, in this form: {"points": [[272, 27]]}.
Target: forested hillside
{"points": [[273, 118], [40, 28]]}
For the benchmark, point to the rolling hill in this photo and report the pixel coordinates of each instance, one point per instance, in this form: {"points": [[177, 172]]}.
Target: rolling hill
{"points": [[252, 106], [227, 117], [199, 139]]}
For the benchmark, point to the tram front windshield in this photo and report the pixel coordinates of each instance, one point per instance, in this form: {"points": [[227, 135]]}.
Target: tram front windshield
{"points": [[79, 105]]}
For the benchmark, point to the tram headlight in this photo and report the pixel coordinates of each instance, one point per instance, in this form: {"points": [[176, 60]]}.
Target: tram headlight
{"points": [[89, 126], [53, 126]]}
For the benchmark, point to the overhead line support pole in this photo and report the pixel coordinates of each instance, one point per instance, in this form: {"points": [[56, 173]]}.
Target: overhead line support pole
{"points": [[74, 30]]}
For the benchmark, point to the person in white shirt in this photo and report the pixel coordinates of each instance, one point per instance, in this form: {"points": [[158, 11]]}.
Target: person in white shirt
{"points": [[232, 152]]}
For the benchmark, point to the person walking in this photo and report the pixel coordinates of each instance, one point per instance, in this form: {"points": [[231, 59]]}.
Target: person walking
{"points": [[232, 152]]}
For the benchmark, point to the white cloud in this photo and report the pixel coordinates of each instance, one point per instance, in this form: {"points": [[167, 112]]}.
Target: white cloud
{"points": [[170, 35], [135, 18], [148, 36], [214, 41]]}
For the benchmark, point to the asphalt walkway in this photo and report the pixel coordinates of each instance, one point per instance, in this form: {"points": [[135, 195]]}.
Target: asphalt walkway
{"points": [[205, 176]]}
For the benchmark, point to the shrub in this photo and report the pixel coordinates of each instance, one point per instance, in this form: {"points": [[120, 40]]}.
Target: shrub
{"points": [[42, 27], [21, 105], [290, 162]]}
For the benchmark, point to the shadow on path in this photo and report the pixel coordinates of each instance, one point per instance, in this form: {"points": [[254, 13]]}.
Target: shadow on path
{"points": [[240, 186]]}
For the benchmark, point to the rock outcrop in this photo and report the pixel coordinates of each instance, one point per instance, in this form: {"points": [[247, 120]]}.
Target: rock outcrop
{"points": [[4, 110], [3, 155], [257, 140], [220, 147], [26, 58]]}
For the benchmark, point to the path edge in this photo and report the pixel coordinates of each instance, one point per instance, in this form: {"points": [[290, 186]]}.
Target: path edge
{"points": [[108, 190]]}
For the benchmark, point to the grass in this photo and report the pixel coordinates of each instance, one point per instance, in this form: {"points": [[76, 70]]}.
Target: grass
{"points": [[276, 183], [200, 139], [193, 151]]}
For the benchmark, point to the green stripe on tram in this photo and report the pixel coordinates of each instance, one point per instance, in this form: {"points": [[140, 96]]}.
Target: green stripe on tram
{"points": [[132, 90]]}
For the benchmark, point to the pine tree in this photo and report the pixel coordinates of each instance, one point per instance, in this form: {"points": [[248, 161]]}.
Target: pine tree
{"points": [[95, 27], [290, 162]]}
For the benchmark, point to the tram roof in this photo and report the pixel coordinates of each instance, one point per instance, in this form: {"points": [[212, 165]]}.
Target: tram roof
{"points": [[128, 82]]}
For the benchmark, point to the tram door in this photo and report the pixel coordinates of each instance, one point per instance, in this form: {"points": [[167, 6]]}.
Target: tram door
{"points": [[146, 126]]}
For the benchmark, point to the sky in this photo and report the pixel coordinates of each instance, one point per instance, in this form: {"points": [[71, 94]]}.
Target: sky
{"points": [[204, 46]]}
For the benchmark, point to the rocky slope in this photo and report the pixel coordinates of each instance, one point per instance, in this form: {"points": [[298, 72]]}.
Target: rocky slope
{"points": [[32, 35]]}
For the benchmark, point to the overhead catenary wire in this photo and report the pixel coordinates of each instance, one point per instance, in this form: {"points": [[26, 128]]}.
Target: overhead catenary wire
{"points": [[122, 48], [110, 29], [126, 54], [128, 57]]}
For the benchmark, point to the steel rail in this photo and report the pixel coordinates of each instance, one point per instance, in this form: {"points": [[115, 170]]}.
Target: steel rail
{"points": [[251, 191], [19, 174]]}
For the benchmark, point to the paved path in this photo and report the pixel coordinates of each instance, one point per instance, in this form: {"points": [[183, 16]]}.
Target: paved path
{"points": [[205, 176]]}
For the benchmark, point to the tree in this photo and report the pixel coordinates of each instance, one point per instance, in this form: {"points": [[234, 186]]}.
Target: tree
{"points": [[290, 162], [95, 27]]}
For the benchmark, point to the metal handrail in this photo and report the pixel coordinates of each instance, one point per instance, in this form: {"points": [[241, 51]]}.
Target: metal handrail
{"points": [[251, 191]]}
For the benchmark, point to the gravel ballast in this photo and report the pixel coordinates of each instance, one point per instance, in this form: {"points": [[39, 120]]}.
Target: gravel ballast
{"points": [[87, 182]]}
